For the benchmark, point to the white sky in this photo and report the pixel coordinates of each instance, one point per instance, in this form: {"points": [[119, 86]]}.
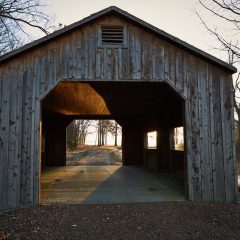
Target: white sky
{"points": [[177, 17]]}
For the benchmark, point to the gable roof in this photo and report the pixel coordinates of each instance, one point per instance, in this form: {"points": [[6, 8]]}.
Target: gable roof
{"points": [[176, 41]]}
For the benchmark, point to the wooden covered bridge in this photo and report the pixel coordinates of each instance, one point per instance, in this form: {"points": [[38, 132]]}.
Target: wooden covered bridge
{"points": [[112, 65]]}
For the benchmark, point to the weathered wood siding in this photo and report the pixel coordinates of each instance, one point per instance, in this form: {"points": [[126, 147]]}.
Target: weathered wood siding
{"points": [[207, 89]]}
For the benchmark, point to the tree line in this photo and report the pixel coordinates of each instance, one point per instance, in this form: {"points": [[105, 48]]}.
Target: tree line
{"points": [[78, 130]]}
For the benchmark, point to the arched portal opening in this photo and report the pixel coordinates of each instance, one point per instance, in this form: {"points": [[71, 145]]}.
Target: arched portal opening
{"points": [[139, 108]]}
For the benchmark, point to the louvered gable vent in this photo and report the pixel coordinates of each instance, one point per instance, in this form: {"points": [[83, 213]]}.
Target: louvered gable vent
{"points": [[112, 35]]}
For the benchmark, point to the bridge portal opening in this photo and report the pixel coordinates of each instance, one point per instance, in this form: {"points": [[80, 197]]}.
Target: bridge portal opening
{"points": [[140, 109], [93, 143]]}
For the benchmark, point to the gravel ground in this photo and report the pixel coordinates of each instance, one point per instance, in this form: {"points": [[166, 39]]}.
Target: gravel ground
{"points": [[168, 220], [95, 156]]}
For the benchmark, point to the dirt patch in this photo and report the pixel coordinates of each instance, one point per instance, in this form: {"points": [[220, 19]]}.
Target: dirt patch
{"points": [[95, 156], [182, 220]]}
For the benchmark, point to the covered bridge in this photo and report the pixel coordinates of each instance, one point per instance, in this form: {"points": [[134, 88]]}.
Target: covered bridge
{"points": [[114, 65]]}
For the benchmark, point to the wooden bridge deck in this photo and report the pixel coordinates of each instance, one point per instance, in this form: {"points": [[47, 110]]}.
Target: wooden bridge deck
{"points": [[108, 184]]}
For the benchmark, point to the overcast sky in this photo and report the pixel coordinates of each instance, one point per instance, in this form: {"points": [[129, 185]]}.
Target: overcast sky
{"points": [[176, 17]]}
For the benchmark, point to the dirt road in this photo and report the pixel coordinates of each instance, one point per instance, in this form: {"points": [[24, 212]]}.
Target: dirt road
{"points": [[95, 156]]}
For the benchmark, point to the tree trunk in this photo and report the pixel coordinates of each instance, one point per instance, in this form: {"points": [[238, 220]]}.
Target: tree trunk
{"points": [[116, 134]]}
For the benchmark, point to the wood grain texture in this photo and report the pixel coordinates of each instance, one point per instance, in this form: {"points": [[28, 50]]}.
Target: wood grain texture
{"points": [[205, 88]]}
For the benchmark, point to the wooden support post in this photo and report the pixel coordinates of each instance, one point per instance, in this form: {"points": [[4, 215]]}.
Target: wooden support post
{"points": [[163, 147], [133, 145], [55, 141], [171, 147]]}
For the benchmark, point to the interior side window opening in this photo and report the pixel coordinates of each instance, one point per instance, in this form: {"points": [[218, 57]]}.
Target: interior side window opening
{"points": [[152, 140], [177, 139]]}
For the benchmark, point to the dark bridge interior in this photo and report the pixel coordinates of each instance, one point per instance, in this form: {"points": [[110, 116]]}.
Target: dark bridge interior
{"points": [[137, 107]]}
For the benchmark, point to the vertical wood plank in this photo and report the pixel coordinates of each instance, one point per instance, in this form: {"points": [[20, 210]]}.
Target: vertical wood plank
{"points": [[61, 61], [172, 65], [4, 131], [18, 146], [13, 166], [99, 63], [36, 151], [67, 58], [42, 74], [188, 138], [159, 58], [1, 144], [194, 98], [26, 167], [71, 66], [77, 54], [218, 167], [108, 66], [228, 139], [180, 73], [212, 132], [185, 73], [146, 56], [166, 62], [85, 54], [137, 60], [36, 147], [135, 54], [115, 64], [126, 63], [120, 64], [91, 49], [206, 161]]}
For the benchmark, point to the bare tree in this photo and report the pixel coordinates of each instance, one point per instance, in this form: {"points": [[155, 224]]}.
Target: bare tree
{"points": [[77, 132], [72, 135], [227, 14], [103, 127], [83, 130], [101, 130], [17, 19], [115, 130]]}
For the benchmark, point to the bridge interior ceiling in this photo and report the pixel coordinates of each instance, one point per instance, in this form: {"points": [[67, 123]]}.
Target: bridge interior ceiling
{"points": [[144, 103]]}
